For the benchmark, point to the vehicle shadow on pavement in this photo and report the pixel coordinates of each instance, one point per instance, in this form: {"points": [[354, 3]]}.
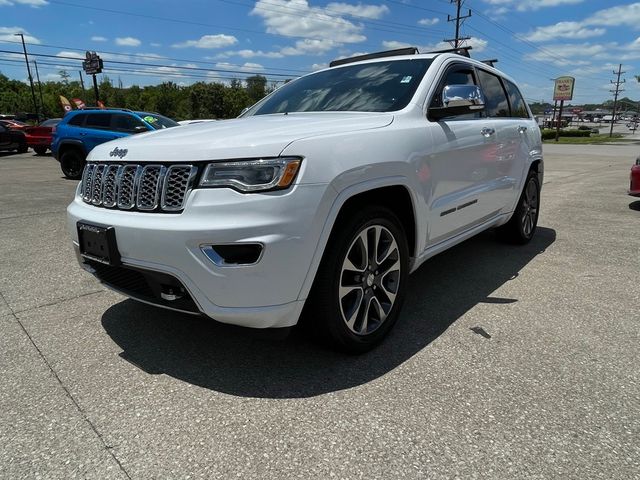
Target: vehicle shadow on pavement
{"points": [[240, 362]]}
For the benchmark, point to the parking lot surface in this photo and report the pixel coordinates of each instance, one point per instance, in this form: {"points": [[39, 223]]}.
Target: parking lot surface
{"points": [[507, 362]]}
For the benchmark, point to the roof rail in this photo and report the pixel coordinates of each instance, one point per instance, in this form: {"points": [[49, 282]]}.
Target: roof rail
{"points": [[490, 62], [106, 108], [369, 56], [464, 51]]}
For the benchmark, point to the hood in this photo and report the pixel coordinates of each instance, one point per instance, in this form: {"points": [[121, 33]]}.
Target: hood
{"points": [[257, 136]]}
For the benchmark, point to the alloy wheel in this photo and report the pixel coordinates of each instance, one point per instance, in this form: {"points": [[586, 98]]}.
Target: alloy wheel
{"points": [[369, 279], [530, 208]]}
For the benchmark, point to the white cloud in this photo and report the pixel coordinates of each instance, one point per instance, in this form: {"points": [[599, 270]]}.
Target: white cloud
{"points": [[99, 39], [128, 42], [31, 3], [296, 18], [319, 66], [573, 30], [366, 11], [8, 34], [247, 67], [572, 53], [427, 22], [615, 16], [154, 44], [209, 41], [525, 5]]}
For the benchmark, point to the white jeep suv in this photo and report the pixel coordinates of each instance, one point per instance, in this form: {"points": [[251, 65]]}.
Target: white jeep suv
{"points": [[323, 196]]}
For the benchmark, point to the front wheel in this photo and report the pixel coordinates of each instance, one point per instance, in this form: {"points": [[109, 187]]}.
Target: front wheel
{"points": [[72, 163], [23, 148], [522, 225], [40, 150], [362, 280]]}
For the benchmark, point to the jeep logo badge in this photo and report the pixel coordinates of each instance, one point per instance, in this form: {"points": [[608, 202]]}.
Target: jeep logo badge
{"points": [[118, 152]]}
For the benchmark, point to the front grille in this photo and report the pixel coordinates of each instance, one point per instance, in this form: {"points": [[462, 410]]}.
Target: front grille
{"points": [[148, 188]]}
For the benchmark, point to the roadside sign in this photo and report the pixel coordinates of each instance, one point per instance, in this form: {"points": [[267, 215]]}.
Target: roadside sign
{"points": [[563, 89], [92, 63]]}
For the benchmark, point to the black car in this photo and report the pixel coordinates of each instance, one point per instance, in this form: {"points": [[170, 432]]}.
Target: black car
{"points": [[13, 140]]}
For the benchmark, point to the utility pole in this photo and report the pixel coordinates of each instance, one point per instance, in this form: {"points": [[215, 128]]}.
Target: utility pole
{"points": [[81, 80], [39, 88], [26, 59], [615, 92], [459, 19]]}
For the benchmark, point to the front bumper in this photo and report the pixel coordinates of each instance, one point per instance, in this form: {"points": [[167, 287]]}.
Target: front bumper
{"points": [[261, 295]]}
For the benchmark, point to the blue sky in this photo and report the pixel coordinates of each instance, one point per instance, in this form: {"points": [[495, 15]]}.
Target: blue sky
{"points": [[534, 40]]}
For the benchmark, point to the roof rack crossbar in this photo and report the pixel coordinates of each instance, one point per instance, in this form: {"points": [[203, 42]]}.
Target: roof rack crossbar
{"points": [[369, 56]]}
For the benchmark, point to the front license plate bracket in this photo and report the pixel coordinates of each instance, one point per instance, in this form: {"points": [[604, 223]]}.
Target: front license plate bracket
{"points": [[98, 243]]}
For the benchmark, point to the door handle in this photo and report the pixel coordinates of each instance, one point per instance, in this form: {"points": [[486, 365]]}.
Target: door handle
{"points": [[522, 129], [487, 132]]}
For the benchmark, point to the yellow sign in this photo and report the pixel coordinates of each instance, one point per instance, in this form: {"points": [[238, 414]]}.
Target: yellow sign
{"points": [[563, 88]]}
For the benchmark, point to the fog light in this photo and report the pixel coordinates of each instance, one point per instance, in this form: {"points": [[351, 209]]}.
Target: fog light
{"points": [[234, 254]]}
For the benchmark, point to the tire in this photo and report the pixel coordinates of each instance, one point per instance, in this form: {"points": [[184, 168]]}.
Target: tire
{"points": [[356, 298], [40, 150], [521, 228], [72, 163], [23, 148]]}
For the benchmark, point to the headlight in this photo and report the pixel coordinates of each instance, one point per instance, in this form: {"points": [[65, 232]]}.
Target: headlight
{"points": [[252, 175]]}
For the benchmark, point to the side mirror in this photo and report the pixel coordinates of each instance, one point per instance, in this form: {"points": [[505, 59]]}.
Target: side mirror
{"points": [[458, 100]]}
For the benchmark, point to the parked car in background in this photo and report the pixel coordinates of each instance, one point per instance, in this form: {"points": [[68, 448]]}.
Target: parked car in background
{"points": [[634, 184], [14, 124], [82, 130], [39, 138], [12, 140]]}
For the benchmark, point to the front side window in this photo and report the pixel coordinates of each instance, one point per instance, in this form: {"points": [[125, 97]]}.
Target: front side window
{"points": [[455, 75], [496, 104], [371, 87], [518, 105], [126, 123]]}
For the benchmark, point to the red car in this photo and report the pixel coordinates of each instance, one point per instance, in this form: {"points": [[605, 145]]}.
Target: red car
{"points": [[13, 124], [634, 187], [39, 138]]}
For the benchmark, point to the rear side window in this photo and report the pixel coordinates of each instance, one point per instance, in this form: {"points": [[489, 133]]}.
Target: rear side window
{"points": [[76, 120], [495, 96], [518, 105], [98, 120]]}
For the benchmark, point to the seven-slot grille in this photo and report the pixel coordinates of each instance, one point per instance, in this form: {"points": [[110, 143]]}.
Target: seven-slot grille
{"points": [[137, 187]]}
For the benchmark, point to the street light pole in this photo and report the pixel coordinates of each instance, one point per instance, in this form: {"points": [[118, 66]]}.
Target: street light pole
{"points": [[26, 59]]}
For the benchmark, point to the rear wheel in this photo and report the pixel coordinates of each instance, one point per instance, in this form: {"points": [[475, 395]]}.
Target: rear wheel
{"points": [[72, 163], [23, 148], [40, 150], [361, 283], [522, 225]]}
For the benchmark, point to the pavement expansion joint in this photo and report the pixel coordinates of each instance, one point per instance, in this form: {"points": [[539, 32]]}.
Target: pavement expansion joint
{"points": [[57, 302], [67, 392]]}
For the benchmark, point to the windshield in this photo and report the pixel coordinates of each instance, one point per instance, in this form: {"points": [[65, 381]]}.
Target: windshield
{"points": [[157, 121], [370, 87]]}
